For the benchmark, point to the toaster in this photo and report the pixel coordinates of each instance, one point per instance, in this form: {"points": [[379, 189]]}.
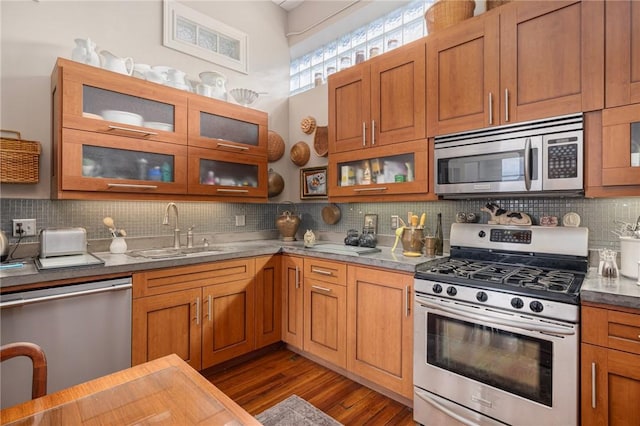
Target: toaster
{"points": [[62, 242]]}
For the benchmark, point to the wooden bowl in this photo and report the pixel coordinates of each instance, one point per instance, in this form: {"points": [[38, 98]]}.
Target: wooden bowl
{"points": [[300, 153], [331, 214]]}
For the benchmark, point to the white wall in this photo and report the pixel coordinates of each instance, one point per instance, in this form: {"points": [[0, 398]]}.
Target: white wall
{"points": [[33, 34]]}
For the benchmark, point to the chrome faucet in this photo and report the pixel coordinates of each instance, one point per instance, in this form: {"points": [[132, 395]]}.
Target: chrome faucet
{"points": [[176, 230]]}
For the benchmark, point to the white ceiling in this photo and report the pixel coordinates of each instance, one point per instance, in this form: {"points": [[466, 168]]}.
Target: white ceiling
{"points": [[288, 5]]}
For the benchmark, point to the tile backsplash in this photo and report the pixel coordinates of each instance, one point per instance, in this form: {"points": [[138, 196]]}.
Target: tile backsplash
{"points": [[144, 218]]}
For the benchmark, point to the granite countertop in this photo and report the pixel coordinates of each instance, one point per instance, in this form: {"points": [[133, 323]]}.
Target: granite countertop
{"points": [[122, 264], [621, 291]]}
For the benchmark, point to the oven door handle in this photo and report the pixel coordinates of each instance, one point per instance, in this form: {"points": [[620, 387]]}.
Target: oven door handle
{"points": [[440, 407], [462, 312]]}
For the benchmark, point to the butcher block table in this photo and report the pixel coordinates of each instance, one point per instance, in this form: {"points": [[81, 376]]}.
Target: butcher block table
{"points": [[165, 391]]}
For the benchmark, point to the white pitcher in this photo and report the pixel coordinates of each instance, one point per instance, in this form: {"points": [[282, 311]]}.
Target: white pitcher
{"points": [[85, 52], [113, 63]]}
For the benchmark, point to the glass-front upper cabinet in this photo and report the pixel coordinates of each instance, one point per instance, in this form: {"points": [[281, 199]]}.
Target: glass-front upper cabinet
{"points": [[103, 101], [112, 164], [225, 175], [385, 173], [621, 145], [227, 127]]}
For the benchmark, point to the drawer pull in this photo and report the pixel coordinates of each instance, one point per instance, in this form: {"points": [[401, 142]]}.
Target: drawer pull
{"points": [[131, 185], [232, 190], [316, 287], [322, 272], [379, 188], [226, 145], [126, 129]]}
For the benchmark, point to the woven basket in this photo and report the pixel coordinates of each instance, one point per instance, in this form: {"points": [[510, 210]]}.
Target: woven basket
{"points": [[446, 13], [275, 146], [300, 153], [19, 159]]}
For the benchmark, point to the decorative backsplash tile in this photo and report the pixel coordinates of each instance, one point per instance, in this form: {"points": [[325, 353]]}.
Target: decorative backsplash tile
{"points": [[144, 219]]}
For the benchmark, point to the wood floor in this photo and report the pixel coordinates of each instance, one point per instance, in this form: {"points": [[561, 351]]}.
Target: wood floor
{"points": [[263, 382]]}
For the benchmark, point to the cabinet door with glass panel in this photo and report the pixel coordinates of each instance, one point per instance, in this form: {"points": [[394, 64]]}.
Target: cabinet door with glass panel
{"points": [[97, 100], [226, 174], [621, 145], [226, 127], [99, 163], [387, 173]]}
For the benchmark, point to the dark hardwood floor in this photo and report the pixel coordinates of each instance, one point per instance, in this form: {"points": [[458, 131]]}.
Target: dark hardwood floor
{"points": [[264, 381]]}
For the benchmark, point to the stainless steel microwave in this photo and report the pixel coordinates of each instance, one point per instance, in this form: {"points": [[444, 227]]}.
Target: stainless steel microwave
{"points": [[543, 157]]}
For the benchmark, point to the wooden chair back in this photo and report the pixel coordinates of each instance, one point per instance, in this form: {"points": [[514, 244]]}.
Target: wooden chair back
{"points": [[38, 359]]}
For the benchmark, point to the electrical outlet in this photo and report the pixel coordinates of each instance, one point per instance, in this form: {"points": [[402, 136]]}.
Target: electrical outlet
{"points": [[394, 221], [240, 221], [27, 226]]}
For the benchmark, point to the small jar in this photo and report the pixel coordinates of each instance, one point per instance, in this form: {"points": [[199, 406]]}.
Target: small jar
{"points": [[359, 56], [331, 70], [317, 79], [155, 173], [374, 51], [345, 62], [392, 44]]}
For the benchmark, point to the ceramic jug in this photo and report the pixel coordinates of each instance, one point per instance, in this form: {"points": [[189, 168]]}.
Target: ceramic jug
{"points": [[85, 52], [113, 63]]}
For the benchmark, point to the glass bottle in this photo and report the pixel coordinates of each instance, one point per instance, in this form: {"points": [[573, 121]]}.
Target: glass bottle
{"points": [[439, 241]]}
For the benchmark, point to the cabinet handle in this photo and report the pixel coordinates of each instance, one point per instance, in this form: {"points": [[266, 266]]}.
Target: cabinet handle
{"points": [[197, 311], [490, 108], [373, 132], [322, 272], [297, 277], [317, 287], [232, 190], [378, 188], [407, 300], [226, 145], [506, 105], [593, 385], [131, 185], [364, 134], [209, 308], [126, 129]]}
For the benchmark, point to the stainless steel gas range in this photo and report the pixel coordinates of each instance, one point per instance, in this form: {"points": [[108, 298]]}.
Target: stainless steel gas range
{"points": [[496, 333]]}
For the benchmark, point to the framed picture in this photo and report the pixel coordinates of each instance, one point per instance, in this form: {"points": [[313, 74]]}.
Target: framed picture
{"points": [[370, 222], [313, 182]]}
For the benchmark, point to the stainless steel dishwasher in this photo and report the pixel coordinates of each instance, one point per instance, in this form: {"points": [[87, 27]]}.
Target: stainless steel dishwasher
{"points": [[84, 329]]}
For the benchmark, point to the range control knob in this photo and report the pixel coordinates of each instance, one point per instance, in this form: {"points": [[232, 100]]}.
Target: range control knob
{"points": [[482, 234], [437, 288], [517, 303], [481, 296], [451, 291], [536, 306]]}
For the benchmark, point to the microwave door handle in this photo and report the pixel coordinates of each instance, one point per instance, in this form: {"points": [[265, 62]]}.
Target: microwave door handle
{"points": [[527, 164]]}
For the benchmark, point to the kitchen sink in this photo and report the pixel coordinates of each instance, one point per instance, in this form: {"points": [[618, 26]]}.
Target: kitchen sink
{"points": [[165, 253]]}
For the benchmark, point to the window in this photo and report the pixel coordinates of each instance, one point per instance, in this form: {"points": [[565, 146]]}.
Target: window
{"points": [[396, 28], [197, 34]]}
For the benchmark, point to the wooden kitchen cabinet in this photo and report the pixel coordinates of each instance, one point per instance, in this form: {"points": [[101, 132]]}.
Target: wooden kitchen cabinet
{"points": [[204, 313], [519, 62], [292, 300], [325, 310], [378, 102], [377, 118], [610, 365], [622, 54], [141, 152], [268, 300], [380, 327]]}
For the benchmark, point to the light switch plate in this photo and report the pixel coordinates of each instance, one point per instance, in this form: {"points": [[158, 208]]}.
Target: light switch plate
{"points": [[240, 220], [394, 221], [28, 227]]}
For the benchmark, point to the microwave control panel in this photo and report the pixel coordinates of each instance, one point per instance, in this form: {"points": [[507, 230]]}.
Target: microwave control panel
{"points": [[562, 158]]}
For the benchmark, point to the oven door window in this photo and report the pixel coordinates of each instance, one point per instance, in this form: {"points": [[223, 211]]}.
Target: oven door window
{"points": [[515, 363]]}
